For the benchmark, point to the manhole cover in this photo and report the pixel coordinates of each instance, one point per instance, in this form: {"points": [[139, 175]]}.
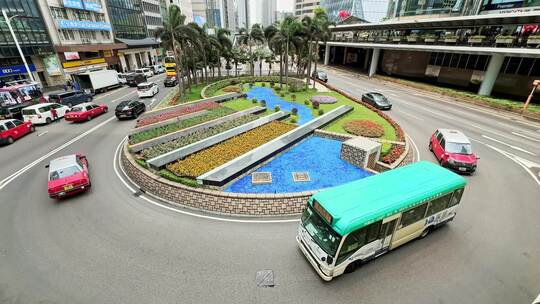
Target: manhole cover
{"points": [[265, 278], [261, 178], [301, 176]]}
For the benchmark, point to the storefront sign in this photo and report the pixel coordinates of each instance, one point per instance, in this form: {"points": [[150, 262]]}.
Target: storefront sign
{"points": [[72, 55], [73, 4], [51, 65], [15, 69], [77, 63], [107, 53], [92, 6], [84, 25]]}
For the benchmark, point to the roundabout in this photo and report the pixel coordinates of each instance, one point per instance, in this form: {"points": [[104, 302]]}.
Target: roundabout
{"points": [[109, 245]]}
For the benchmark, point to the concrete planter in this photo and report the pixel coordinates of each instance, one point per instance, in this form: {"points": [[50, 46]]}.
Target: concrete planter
{"points": [[533, 40], [505, 40], [413, 39], [450, 40], [396, 39], [475, 40], [430, 40]]}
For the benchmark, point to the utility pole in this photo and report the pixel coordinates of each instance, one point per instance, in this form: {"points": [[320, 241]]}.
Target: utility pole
{"points": [[8, 21]]}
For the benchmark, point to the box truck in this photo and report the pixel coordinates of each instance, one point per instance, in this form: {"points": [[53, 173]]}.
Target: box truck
{"points": [[97, 81]]}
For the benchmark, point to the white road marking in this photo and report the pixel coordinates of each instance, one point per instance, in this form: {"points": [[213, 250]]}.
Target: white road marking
{"points": [[509, 145], [492, 131], [42, 133], [518, 160], [415, 147], [158, 204], [410, 115], [13, 176], [152, 101], [525, 136]]}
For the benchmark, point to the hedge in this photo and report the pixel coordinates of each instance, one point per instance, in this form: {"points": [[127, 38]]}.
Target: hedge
{"points": [[294, 83]]}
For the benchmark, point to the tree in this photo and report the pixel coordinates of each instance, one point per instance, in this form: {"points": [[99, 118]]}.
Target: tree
{"points": [[289, 28], [250, 38], [321, 32]]}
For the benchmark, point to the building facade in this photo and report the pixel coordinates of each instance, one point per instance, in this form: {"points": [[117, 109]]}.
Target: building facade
{"points": [[152, 16], [35, 43], [185, 6], [414, 9], [229, 15], [81, 34], [243, 13], [305, 7], [369, 10], [268, 13], [128, 21]]}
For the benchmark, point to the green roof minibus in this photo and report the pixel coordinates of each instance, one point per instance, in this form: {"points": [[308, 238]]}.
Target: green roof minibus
{"points": [[344, 226]]}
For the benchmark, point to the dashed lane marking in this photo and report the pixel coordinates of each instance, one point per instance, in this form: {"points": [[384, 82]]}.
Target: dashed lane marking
{"points": [[509, 145], [527, 137], [42, 133], [410, 115]]}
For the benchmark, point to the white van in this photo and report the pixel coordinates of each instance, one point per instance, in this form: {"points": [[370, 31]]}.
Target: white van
{"points": [[145, 71], [147, 89], [41, 113]]}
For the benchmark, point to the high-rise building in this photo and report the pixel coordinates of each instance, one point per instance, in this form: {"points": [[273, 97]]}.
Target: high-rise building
{"points": [[127, 19], [243, 13], [305, 7], [229, 15], [34, 41], [82, 35], [282, 15], [199, 11], [268, 12], [152, 16], [403, 9], [369, 10]]}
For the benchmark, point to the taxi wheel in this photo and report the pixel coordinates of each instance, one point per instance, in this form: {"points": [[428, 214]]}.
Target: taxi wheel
{"points": [[48, 120], [105, 110], [89, 117], [10, 140], [32, 129]]}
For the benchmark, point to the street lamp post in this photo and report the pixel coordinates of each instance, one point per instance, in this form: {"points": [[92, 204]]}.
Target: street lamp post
{"points": [[536, 83], [8, 21]]}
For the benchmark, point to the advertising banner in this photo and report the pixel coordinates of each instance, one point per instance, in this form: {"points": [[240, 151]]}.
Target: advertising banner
{"points": [[92, 6], [72, 55], [508, 6], [51, 65], [73, 4], [15, 69]]}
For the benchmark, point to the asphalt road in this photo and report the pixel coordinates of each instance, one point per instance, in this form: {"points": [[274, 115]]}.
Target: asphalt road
{"points": [[109, 246]]}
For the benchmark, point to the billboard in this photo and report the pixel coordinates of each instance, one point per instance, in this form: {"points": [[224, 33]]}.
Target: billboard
{"points": [[509, 6], [72, 55], [51, 65]]}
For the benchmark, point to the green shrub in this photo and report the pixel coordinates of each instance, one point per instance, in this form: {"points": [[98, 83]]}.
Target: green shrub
{"points": [[254, 100], [293, 120], [141, 162], [278, 88], [251, 85], [306, 102], [277, 108], [282, 94], [263, 103], [294, 111], [234, 81], [315, 104], [321, 112], [293, 96], [182, 180], [263, 84]]}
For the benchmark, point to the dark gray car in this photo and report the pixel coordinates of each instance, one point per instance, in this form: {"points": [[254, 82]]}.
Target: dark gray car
{"points": [[320, 75], [71, 98], [377, 100]]}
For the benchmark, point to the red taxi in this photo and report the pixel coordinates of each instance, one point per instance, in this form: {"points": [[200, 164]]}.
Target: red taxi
{"points": [[85, 111], [13, 129], [68, 175]]}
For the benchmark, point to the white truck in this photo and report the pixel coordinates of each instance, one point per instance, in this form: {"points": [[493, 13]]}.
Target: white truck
{"points": [[97, 81]]}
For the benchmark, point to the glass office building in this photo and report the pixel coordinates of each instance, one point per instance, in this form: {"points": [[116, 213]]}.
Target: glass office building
{"points": [[405, 8], [127, 19], [369, 10]]}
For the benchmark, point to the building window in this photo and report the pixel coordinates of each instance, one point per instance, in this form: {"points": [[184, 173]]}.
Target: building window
{"points": [[66, 34], [106, 35], [88, 35], [83, 16], [100, 17], [58, 13]]}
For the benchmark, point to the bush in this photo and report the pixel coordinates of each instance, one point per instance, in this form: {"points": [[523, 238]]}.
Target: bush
{"points": [[293, 96], [277, 108], [296, 86], [203, 161], [182, 180], [282, 94], [232, 88], [263, 103], [306, 102], [321, 112], [263, 84], [315, 104], [278, 88], [393, 155], [293, 120], [254, 100], [233, 81], [251, 85], [294, 111], [365, 128]]}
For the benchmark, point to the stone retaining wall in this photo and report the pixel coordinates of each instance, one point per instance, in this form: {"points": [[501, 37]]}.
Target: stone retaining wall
{"points": [[211, 200]]}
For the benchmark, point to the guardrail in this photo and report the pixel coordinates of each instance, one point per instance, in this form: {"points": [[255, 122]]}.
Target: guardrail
{"points": [[234, 168], [160, 161], [180, 133]]}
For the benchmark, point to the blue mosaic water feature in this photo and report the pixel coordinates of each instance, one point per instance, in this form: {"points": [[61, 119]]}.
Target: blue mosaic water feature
{"points": [[267, 94], [316, 155]]}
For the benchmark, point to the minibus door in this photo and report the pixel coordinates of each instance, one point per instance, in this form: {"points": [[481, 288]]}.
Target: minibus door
{"points": [[385, 236]]}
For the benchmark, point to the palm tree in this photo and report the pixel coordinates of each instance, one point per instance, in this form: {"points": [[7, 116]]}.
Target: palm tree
{"points": [[288, 29], [225, 42], [203, 43], [250, 38], [321, 32]]}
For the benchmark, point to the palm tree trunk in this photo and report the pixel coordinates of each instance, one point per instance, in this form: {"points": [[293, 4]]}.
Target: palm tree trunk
{"points": [[269, 68], [308, 65], [316, 60], [287, 64], [281, 71], [219, 64], [178, 60]]}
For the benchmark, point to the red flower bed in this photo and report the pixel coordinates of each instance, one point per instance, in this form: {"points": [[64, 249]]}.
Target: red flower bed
{"points": [[393, 155], [175, 113], [365, 128]]}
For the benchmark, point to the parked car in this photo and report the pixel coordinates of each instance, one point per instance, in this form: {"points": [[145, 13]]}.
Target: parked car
{"points": [[13, 111], [377, 100], [170, 81], [122, 78], [145, 71], [86, 111], [158, 69], [68, 175], [13, 129], [134, 79], [147, 89], [453, 150], [41, 113], [129, 109], [320, 75], [71, 98]]}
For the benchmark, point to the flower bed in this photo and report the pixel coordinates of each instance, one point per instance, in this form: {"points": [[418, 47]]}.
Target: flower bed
{"points": [[321, 99], [232, 88], [393, 155], [173, 127], [175, 113], [194, 137], [365, 128], [215, 156], [211, 89]]}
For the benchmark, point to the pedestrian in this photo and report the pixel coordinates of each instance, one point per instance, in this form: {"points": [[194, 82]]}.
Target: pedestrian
{"points": [[65, 87], [70, 84], [54, 114]]}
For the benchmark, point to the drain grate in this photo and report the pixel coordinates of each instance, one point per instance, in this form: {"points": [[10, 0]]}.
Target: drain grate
{"points": [[301, 177], [265, 278], [261, 178]]}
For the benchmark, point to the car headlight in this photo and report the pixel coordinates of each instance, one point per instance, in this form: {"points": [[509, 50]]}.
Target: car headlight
{"points": [[451, 161]]}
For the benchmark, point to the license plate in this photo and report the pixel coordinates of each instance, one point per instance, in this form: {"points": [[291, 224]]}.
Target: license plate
{"points": [[68, 187], [462, 169]]}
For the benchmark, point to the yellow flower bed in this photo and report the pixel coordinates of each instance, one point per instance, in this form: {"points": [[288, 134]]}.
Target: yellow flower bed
{"points": [[203, 161]]}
